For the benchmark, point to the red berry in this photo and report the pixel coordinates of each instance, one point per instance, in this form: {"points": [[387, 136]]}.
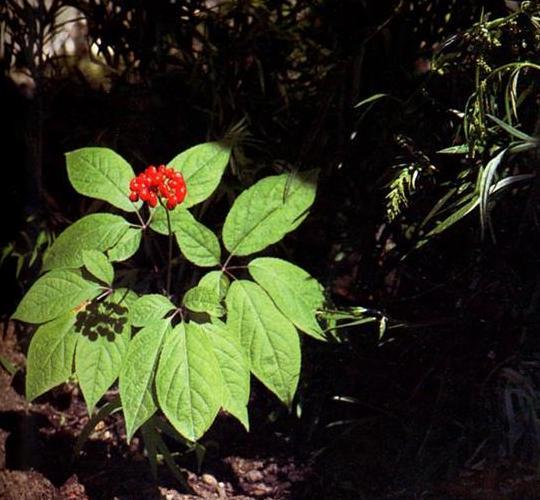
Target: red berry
{"points": [[134, 184], [171, 203], [151, 170], [169, 172], [163, 190], [161, 169], [133, 196], [152, 199], [144, 194], [177, 176]]}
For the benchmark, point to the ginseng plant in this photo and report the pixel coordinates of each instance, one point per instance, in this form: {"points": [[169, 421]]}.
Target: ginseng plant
{"points": [[183, 334]]}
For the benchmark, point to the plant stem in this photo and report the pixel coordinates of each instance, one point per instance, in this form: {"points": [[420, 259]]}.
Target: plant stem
{"points": [[169, 260]]}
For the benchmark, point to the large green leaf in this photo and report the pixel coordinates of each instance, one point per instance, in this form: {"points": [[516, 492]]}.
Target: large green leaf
{"points": [[92, 232], [137, 375], [217, 281], [234, 368], [103, 174], [188, 381], [98, 265], [198, 243], [126, 246], [50, 355], [200, 299], [148, 308], [103, 343], [267, 211], [53, 294], [293, 290], [202, 167], [268, 337]]}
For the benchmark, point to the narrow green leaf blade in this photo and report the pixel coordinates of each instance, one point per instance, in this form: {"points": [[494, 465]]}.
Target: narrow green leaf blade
{"points": [[188, 381], [92, 232], [460, 149], [234, 368], [53, 294], [50, 355], [202, 167], [267, 211], [206, 300], [98, 265], [102, 346], [103, 174], [296, 294], [269, 338], [512, 130], [137, 375], [149, 308]]}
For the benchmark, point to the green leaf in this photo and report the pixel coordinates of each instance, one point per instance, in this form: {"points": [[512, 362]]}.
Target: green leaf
{"points": [[137, 375], [294, 291], [50, 355], [373, 98], [149, 308], [202, 167], [234, 369], [98, 265], [92, 232], [102, 346], [455, 150], [268, 337], [216, 281], [127, 245], [54, 294], [512, 130], [206, 300], [188, 381], [198, 244], [103, 174], [267, 211]]}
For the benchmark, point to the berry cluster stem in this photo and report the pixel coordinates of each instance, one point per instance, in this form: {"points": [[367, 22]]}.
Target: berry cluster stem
{"points": [[169, 259]]}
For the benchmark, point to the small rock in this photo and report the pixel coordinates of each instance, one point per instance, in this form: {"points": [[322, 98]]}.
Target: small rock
{"points": [[209, 480], [254, 476]]}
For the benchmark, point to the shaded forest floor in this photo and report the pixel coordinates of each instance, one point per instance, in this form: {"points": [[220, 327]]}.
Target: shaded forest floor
{"points": [[37, 462]]}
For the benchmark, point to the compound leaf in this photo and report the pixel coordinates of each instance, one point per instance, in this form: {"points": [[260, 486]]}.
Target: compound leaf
{"points": [[293, 290], [269, 338]]}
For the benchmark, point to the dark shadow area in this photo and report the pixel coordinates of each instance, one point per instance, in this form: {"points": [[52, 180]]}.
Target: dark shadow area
{"points": [[104, 318]]}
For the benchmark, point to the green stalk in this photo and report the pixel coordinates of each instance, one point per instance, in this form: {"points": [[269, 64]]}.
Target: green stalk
{"points": [[169, 260]]}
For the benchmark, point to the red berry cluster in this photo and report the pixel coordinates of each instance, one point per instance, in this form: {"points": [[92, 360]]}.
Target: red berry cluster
{"points": [[154, 183]]}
